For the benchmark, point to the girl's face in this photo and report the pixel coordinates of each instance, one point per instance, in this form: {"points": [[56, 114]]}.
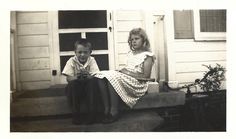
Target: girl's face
{"points": [[82, 53], [136, 41]]}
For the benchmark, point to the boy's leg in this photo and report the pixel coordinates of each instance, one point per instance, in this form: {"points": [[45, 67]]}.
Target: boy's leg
{"points": [[114, 104], [104, 95], [90, 94], [114, 100], [77, 90], [68, 93]]}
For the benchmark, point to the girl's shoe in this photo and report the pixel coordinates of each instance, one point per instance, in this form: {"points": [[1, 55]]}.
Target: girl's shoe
{"points": [[110, 118]]}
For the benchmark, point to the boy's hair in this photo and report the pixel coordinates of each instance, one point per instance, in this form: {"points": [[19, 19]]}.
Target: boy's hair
{"points": [[83, 42], [143, 35]]}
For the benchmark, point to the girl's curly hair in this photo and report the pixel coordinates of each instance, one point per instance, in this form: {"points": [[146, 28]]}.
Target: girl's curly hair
{"points": [[143, 35]]}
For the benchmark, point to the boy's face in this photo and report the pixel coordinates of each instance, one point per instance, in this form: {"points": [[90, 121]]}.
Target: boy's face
{"points": [[82, 53]]}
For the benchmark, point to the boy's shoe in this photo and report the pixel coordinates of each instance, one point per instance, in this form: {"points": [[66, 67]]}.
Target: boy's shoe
{"points": [[110, 118], [84, 120]]}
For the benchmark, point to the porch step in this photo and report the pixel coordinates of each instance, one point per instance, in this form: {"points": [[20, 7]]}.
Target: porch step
{"points": [[135, 121], [53, 102]]}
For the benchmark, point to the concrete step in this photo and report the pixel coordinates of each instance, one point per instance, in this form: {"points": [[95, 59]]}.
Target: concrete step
{"points": [[135, 121], [53, 102]]}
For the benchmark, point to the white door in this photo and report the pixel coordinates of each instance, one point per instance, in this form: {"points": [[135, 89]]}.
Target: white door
{"points": [[69, 26]]}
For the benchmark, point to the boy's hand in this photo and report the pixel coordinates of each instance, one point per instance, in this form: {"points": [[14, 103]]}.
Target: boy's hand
{"points": [[83, 75]]}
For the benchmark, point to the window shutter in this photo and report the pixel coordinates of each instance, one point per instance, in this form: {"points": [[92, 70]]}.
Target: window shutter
{"points": [[183, 24]]}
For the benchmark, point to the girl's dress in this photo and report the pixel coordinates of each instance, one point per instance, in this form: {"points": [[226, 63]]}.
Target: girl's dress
{"points": [[127, 87]]}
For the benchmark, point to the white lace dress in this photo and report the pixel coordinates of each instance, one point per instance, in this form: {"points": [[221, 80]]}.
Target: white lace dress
{"points": [[127, 87]]}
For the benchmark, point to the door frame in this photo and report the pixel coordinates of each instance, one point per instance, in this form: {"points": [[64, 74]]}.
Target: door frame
{"points": [[54, 44], [155, 27]]}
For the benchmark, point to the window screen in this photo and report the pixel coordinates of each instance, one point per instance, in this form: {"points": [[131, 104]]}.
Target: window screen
{"points": [[213, 20], [97, 39], [82, 19]]}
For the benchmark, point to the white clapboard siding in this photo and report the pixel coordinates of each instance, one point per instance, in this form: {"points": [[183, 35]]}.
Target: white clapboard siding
{"points": [[33, 52], [200, 56], [191, 46], [32, 29], [35, 75], [196, 66], [35, 85], [125, 20], [123, 48], [128, 25], [32, 64], [129, 15], [189, 57], [32, 17], [189, 77], [35, 40], [122, 58], [122, 37]]}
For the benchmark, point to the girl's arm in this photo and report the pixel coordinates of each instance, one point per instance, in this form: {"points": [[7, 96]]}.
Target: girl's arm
{"points": [[147, 70], [147, 67]]}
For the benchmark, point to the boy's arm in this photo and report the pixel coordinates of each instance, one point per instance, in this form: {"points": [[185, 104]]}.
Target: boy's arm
{"points": [[93, 66], [70, 78], [68, 71]]}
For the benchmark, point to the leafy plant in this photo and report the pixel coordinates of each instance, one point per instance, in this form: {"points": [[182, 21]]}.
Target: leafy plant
{"points": [[212, 78]]}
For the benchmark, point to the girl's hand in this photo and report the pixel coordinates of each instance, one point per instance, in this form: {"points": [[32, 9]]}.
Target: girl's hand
{"points": [[127, 72], [124, 70]]}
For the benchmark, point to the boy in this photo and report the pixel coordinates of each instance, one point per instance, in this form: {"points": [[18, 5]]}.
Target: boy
{"points": [[78, 71]]}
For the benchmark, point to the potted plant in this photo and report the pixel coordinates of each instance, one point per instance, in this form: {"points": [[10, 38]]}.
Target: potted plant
{"points": [[212, 80]]}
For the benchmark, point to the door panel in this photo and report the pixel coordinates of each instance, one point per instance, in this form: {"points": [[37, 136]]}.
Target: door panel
{"points": [[89, 24]]}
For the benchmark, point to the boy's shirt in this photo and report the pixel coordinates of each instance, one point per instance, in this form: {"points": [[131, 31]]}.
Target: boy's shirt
{"points": [[73, 66]]}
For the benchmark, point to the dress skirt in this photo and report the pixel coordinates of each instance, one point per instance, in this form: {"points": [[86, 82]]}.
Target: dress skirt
{"points": [[128, 88]]}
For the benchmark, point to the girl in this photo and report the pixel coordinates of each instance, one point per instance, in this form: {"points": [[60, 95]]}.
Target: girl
{"points": [[130, 83]]}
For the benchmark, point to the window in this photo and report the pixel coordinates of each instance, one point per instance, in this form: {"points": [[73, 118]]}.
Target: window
{"points": [[200, 24], [90, 24], [210, 24]]}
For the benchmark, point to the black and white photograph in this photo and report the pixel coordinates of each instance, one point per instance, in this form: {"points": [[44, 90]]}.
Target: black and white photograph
{"points": [[118, 70]]}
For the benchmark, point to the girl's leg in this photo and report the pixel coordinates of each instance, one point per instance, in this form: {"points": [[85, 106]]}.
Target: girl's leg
{"points": [[104, 95]]}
